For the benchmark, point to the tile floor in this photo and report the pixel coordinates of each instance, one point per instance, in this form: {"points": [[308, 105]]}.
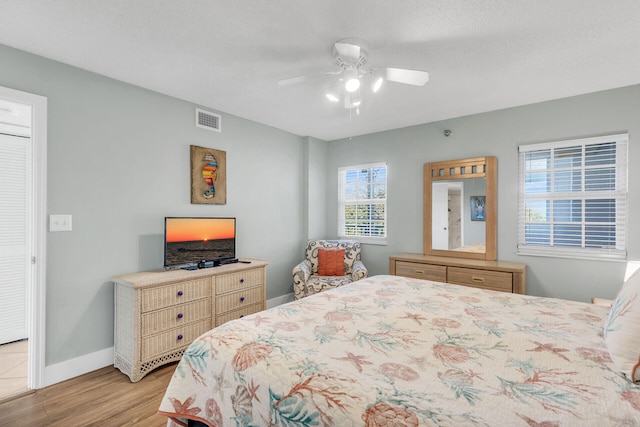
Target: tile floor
{"points": [[13, 369]]}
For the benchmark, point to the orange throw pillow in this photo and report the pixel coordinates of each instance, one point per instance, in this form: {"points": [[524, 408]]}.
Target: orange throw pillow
{"points": [[330, 262]]}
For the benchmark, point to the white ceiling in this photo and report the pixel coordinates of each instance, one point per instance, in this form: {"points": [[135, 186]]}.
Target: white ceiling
{"points": [[227, 55]]}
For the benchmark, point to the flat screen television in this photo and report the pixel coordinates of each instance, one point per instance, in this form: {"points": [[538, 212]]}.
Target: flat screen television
{"points": [[189, 241]]}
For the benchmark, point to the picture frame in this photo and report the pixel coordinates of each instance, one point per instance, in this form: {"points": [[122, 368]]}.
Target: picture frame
{"points": [[208, 176], [478, 208]]}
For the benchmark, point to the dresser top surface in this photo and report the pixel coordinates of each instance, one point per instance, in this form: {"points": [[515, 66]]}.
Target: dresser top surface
{"points": [[157, 277], [461, 262]]}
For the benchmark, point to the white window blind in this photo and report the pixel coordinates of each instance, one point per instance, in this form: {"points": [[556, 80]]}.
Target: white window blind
{"points": [[362, 203], [573, 198]]}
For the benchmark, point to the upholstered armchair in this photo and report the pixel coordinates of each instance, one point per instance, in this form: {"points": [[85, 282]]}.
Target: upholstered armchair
{"points": [[326, 267]]}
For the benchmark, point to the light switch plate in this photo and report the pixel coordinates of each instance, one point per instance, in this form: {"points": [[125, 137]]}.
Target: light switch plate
{"points": [[59, 222]]}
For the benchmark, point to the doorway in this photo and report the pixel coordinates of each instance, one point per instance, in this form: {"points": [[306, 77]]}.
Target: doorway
{"points": [[23, 130], [447, 207]]}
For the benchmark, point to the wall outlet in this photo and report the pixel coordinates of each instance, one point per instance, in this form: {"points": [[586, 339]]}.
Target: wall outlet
{"points": [[59, 222]]}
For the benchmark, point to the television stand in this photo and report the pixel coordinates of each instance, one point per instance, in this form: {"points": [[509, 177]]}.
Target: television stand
{"points": [[224, 261], [159, 313]]}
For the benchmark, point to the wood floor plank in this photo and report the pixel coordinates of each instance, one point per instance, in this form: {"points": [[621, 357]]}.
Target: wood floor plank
{"points": [[104, 397], [23, 411]]}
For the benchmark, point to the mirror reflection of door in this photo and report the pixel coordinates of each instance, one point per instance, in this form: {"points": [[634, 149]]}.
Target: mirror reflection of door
{"points": [[446, 215], [455, 216]]}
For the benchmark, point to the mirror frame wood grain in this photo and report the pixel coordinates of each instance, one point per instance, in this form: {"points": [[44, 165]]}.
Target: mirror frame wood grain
{"points": [[476, 167]]}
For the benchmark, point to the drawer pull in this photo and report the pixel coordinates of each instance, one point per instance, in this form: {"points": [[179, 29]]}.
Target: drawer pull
{"points": [[477, 279], [241, 280], [419, 271], [180, 315], [180, 337], [180, 293], [241, 299]]}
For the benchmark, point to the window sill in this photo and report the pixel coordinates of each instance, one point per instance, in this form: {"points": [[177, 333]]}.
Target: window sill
{"points": [[558, 253], [366, 240]]}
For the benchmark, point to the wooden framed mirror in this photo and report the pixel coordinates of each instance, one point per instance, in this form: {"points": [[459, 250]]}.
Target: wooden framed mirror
{"points": [[460, 208]]}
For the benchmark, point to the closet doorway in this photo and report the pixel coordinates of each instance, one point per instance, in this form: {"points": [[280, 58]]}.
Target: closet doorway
{"points": [[22, 239]]}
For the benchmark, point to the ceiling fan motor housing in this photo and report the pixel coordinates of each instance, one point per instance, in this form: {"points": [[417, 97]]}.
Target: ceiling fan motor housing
{"points": [[350, 53]]}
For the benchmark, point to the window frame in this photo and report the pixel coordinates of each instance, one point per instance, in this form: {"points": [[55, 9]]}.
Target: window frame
{"points": [[619, 194], [343, 203]]}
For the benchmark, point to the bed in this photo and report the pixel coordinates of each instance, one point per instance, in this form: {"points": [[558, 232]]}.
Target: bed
{"points": [[391, 350]]}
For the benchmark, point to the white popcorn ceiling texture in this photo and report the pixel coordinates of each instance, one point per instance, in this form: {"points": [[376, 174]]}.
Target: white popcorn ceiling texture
{"points": [[228, 55]]}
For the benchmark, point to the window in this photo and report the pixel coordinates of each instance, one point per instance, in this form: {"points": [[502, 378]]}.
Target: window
{"points": [[362, 203], [573, 198]]}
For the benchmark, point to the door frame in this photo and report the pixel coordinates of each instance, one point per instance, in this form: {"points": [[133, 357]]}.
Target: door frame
{"points": [[37, 283]]}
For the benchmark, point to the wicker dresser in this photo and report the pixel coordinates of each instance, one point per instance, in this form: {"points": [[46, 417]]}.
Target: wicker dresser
{"points": [[159, 313]]}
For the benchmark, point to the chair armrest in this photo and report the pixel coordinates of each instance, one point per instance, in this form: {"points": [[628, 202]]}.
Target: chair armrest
{"points": [[301, 274], [302, 270], [359, 271]]}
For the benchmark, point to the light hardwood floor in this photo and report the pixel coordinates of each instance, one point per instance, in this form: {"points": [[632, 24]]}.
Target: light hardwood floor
{"points": [[104, 397]]}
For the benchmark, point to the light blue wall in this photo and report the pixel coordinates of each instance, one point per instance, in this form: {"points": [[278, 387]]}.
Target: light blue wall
{"points": [[118, 161], [499, 134], [316, 188]]}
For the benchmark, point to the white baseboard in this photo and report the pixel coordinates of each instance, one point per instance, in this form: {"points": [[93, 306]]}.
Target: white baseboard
{"points": [[75, 367], [282, 299], [90, 362]]}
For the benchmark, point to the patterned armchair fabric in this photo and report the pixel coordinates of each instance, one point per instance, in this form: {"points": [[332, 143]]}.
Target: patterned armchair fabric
{"points": [[305, 275]]}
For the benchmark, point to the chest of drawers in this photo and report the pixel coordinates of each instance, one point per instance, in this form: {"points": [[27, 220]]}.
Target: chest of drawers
{"points": [[159, 313], [239, 294], [495, 275]]}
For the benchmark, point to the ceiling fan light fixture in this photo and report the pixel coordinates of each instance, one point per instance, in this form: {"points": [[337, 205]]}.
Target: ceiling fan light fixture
{"points": [[352, 84], [378, 79], [331, 96], [352, 100], [356, 99], [352, 81], [334, 92], [377, 84]]}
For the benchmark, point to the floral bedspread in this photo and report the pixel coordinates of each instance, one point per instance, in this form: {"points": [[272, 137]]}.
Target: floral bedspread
{"points": [[390, 350]]}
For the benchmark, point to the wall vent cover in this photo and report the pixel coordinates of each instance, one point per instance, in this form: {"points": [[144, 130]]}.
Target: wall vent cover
{"points": [[208, 120]]}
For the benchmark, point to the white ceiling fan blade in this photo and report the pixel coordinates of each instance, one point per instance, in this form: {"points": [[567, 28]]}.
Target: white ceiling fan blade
{"points": [[410, 77], [292, 80], [298, 79]]}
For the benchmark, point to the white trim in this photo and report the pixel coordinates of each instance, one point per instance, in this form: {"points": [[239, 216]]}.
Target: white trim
{"points": [[343, 203], [72, 368], [620, 137], [362, 166], [366, 240], [583, 253], [37, 289], [282, 299], [551, 196]]}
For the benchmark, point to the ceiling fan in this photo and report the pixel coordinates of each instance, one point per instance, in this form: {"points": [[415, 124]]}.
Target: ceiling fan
{"points": [[351, 56]]}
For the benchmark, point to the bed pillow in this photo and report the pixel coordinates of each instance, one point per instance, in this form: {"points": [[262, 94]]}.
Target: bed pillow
{"points": [[622, 329], [330, 262]]}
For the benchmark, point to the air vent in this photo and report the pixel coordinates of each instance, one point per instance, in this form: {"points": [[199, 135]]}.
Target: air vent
{"points": [[208, 120]]}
